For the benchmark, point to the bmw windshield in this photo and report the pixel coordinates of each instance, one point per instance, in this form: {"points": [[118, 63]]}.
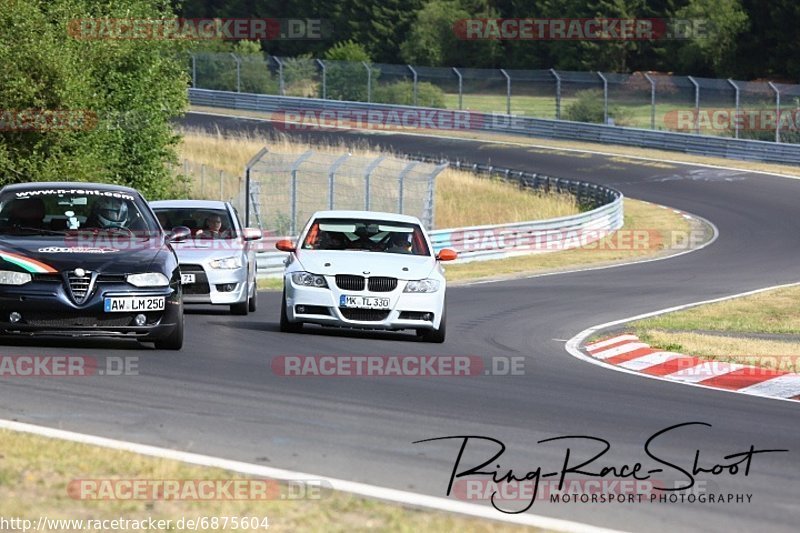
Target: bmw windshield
{"points": [[366, 235], [43, 212]]}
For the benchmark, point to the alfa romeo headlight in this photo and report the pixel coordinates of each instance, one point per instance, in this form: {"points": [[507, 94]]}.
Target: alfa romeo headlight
{"points": [[307, 279], [227, 263], [423, 285], [7, 277], [148, 279]]}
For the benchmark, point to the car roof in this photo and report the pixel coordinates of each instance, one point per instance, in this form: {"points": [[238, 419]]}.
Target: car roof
{"points": [[33, 185], [371, 215], [195, 204]]}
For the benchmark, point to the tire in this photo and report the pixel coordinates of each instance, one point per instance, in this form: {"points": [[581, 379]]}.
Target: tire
{"points": [[286, 326], [252, 302], [173, 341], [435, 335], [240, 308]]}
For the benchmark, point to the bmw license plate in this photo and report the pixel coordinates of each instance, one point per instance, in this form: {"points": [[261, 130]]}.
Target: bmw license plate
{"points": [[187, 279], [363, 302], [127, 304]]}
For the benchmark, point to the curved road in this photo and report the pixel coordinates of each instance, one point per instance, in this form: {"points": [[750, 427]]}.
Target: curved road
{"points": [[219, 396]]}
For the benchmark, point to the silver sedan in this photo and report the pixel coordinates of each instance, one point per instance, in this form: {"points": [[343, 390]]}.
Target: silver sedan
{"points": [[218, 264]]}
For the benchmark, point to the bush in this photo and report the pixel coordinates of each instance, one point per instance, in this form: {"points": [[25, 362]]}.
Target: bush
{"points": [[588, 107], [402, 92]]}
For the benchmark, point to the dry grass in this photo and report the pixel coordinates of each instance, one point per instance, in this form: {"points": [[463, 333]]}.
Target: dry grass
{"points": [[692, 331], [35, 473], [776, 311], [462, 199], [567, 146], [638, 216], [749, 351]]}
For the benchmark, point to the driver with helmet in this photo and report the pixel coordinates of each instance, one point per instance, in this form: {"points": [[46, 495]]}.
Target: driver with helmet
{"points": [[109, 213]]}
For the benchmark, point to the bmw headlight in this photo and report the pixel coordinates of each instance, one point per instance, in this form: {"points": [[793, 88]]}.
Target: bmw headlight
{"points": [[423, 285], [148, 279], [307, 279], [8, 277], [226, 263]]}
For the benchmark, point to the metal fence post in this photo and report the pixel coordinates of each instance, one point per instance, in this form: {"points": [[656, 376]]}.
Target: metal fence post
{"points": [[221, 192], [401, 184], [295, 167], [652, 100], [194, 71], [430, 206], [558, 92], [332, 178], [280, 75], [247, 184], [696, 104], [736, 116], [777, 111], [508, 91], [605, 97], [202, 179], [321, 64], [238, 72], [460, 89], [367, 173], [369, 81], [414, 72]]}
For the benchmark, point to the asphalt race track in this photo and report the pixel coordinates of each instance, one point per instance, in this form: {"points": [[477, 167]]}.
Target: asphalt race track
{"points": [[220, 397]]}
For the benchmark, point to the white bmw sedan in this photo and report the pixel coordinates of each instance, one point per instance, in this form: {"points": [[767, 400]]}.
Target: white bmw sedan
{"points": [[363, 269]]}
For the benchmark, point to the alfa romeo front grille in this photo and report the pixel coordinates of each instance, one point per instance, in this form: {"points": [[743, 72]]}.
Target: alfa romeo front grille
{"points": [[381, 284], [349, 282], [80, 286]]}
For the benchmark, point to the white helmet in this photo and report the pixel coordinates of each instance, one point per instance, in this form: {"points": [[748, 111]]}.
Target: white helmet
{"points": [[111, 212]]}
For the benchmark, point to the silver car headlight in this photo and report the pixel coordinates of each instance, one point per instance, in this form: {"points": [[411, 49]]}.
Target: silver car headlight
{"points": [[7, 277], [148, 279], [423, 285], [226, 263], [307, 279]]}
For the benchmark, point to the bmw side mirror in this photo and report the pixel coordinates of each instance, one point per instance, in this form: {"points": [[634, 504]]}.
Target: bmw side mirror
{"points": [[252, 234], [285, 245], [179, 234], [447, 254]]}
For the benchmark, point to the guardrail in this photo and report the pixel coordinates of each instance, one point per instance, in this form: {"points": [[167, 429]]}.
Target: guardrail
{"points": [[481, 243], [519, 125]]}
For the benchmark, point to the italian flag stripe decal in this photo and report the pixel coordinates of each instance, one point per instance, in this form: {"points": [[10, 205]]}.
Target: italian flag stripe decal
{"points": [[31, 265]]}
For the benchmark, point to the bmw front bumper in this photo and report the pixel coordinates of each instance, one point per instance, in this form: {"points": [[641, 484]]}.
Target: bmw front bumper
{"points": [[321, 306]]}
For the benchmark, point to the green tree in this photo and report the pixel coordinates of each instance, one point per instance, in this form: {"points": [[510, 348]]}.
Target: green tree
{"points": [[346, 74], [130, 89], [715, 27], [435, 41]]}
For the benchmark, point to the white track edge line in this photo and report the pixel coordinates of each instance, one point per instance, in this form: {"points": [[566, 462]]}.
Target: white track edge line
{"points": [[573, 345], [361, 489]]}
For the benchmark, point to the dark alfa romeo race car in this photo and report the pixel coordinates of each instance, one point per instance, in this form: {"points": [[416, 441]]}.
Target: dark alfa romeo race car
{"points": [[85, 259]]}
